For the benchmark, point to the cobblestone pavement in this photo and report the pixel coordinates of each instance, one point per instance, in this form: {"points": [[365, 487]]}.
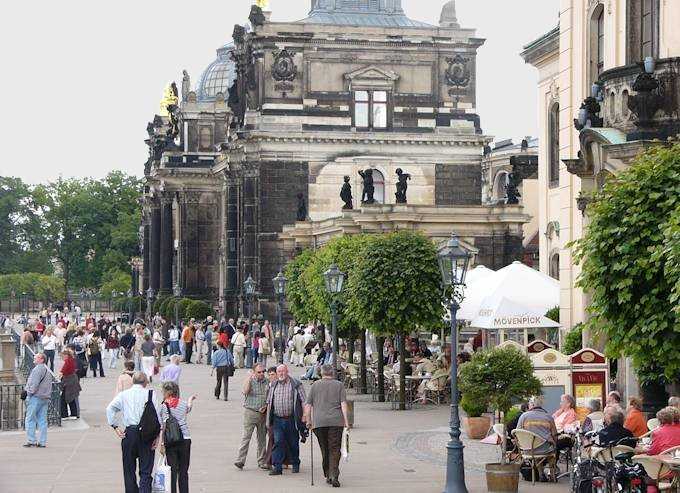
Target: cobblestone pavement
{"points": [[390, 451]]}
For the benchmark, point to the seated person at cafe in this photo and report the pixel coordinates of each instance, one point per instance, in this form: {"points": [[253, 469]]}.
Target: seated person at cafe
{"points": [[391, 356], [323, 358], [344, 354], [424, 350], [444, 360], [438, 382], [538, 421], [667, 435], [512, 424], [635, 420], [613, 432], [595, 419], [566, 422]]}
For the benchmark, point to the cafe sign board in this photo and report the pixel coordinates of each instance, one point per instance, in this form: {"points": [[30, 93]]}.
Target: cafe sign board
{"points": [[553, 369], [590, 379]]}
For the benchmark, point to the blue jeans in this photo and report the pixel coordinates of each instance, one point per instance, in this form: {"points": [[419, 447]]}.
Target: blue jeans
{"points": [[174, 347], [36, 416], [286, 439]]}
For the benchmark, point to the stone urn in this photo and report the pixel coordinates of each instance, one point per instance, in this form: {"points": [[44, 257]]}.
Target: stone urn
{"points": [[477, 428]]}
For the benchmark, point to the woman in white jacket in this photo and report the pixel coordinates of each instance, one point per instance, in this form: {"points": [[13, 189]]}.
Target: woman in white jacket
{"points": [[238, 342]]}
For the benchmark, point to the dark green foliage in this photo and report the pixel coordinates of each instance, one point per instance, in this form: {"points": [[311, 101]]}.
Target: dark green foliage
{"points": [[473, 407], [630, 258], [573, 342], [553, 314], [199, 310], [158, 303], [513, 413], [183, 306], [37, 286], [499, 376]]}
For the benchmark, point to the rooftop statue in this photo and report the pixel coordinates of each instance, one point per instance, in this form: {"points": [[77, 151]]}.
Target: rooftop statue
{"points": [[170, 98]]}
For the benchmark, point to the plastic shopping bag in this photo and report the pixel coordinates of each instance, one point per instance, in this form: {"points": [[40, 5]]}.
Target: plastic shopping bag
{"points": [[161, 479], [344, 446]]}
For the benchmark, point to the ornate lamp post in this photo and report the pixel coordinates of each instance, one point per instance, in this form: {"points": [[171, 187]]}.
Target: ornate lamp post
{"points": [[334, 279], [249, 290], [453, 263], [131, 315], [114, 296], [12, 301], [177, 292], [24, 307], [150, 293], [280, 290]]}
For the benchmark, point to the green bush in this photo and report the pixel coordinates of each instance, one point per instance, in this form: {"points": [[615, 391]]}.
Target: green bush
{"points": [[511, 414], [164, 306], [573, 342], [183, 307], [199, 310], [553, 314], [168, 308], [156, 307], [499, 376], [473, 407]]}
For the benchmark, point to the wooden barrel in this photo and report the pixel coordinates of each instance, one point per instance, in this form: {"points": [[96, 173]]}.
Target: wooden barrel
{"points": [[502, 478]]}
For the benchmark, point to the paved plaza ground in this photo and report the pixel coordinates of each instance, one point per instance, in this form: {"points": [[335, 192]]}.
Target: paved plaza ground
{"points": [[390, 451]]}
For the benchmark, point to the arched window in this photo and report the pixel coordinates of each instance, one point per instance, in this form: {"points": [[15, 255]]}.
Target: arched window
{"points": [[643, 29], [205, 138], [555, 266], [554, 143], [597, 32], [500, 192], [379, 186]]}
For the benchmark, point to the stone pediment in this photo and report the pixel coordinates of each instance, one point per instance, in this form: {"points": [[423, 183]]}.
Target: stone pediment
{"points": [[372, 73]]}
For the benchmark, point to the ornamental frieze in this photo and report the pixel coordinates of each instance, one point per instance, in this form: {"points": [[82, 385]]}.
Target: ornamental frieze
{"points": [[457, 74]]}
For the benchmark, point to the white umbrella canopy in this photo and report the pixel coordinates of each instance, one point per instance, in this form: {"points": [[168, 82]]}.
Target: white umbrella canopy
{"points": [[477, 274], [517, 282], [503, 313]]}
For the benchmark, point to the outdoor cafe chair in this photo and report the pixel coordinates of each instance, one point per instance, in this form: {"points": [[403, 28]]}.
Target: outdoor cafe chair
{"points": [[528, 443], [656, 469], [653, 424]]}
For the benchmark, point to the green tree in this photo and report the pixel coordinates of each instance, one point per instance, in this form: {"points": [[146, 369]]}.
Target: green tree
{"points": [[297, 294], [573, 342], [21, 245], [117, 281], [629, 256], [396, 287], [37, 286], [199, 310]]}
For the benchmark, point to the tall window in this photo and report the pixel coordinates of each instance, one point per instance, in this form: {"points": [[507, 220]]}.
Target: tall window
{"points": [[205, 138], [379, 187], [555, 266], [370, 109], [554, 143], [600, 42], [643, 29]]}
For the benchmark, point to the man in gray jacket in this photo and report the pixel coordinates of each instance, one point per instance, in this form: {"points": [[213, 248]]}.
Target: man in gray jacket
{"points": [[38, 393]]}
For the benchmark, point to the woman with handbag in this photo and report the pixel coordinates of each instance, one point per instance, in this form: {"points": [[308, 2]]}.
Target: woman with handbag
{"points": [[175, 436]]}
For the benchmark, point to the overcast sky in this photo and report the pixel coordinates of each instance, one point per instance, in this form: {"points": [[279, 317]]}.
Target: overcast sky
{"points": [[81, 78]]}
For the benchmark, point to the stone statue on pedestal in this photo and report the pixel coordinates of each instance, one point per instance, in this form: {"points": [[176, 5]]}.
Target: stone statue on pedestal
{"points": [[369, 189], [511, 191], [402, 186], [302, 208], [346, 194], [186, 85]]}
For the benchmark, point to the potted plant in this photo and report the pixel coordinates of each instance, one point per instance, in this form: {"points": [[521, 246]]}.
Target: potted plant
{"points": [[504, 376], [476, 424]]}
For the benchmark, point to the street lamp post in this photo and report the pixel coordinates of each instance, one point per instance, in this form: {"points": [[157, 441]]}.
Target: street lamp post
{"points": [[249, 290], [453, 263], [150, 293], [334, 279], [280, 290], [130, 314], [13, 297], [177, 292], [114, 296], [24, 306]]}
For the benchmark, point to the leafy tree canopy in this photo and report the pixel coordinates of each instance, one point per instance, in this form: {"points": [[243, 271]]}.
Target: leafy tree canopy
{"points": [[37, 286], [396, 284], [630, 257]]}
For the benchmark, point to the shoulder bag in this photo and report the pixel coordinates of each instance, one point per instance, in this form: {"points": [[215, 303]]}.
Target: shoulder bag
{"points": [[149, 427], [172, 435]]}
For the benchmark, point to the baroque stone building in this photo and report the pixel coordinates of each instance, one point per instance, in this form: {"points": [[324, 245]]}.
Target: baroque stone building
{"points": [[608, 89], [247, 169]]}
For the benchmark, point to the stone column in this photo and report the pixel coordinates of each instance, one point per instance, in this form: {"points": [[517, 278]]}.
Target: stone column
{"points": [[166, 247], [249, 253], [155, 246], [145, 257], [231, 284]]}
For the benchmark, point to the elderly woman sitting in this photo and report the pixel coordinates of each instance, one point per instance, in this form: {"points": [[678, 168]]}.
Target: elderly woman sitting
{"points": [[668, 434], [595, 419]]}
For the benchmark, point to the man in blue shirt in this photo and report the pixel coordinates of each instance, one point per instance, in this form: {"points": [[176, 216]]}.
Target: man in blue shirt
{"points": [[223, 361], [130, 405]]}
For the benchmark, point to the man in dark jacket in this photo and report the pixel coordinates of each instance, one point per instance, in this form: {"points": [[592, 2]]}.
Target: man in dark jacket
{"points": [[613, 433], [285, 416], [127, 342]]}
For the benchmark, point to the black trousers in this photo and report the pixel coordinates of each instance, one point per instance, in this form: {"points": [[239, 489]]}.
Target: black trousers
{"points": [[49, 355], [96, 360], [178, 459], [188, 351], [69, 409], [330, 441], [222, 377], [135, 450]]}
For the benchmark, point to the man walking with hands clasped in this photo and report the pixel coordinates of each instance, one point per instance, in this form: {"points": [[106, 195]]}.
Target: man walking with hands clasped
{"points": [[255, 406], [326, 414]]}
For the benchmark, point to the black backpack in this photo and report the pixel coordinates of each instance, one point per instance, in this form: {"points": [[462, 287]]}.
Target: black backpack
{"points": [[149, 426], [173, 432]]}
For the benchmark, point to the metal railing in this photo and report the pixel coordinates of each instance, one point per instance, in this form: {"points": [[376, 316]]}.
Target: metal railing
{"points": [[12, 408]]}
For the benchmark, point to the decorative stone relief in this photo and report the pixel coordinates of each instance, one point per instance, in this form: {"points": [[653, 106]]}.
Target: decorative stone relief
{"points": [[284, 70], [458, 73]]}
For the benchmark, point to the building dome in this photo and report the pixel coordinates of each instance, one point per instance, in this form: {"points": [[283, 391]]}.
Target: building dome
{"points": [[448, 17], [218, 77]]}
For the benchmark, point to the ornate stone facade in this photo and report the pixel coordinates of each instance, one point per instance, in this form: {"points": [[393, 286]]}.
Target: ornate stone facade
{"points": [[352, 87]]}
